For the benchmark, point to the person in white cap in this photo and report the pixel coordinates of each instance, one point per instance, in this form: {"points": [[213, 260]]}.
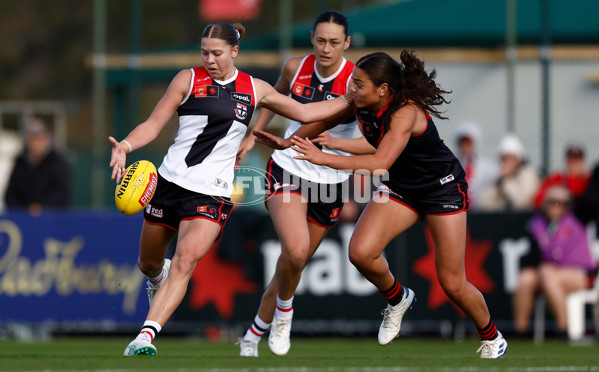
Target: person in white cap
{"points": [[517, 183]]}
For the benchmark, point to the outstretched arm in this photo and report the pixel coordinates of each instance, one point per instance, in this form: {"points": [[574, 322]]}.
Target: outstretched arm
{"points": [[391, 146], [282, 86], [357, 146], [147, 131], [306, 113]]}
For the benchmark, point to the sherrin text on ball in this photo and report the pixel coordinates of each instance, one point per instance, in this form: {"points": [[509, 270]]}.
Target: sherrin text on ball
{"points": [[136, 188]]}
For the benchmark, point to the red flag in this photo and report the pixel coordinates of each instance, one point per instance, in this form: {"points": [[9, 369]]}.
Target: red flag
{"points": [[229, 10]]}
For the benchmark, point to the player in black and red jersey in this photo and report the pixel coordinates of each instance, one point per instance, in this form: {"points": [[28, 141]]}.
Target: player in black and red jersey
{"points": [[305, 199], [214, 103], [394, 103]]}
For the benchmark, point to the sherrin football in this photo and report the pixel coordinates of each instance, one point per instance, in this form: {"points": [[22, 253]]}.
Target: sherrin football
{"points": [[136, 188]]}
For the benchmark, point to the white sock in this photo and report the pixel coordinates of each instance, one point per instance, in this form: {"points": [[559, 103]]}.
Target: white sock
{"points": [[257, 330], [284, 308], [151, 328], [159, 279]]}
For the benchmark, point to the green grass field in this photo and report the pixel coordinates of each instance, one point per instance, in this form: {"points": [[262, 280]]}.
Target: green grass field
{"points": [[307, 354]]}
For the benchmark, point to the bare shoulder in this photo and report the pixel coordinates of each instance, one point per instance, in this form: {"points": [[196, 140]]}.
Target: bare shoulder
{"points": [[292, 64], [411, 118]]}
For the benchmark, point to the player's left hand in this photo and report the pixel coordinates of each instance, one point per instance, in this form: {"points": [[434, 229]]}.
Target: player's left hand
{"points": [[308, 150], [118, 159]]}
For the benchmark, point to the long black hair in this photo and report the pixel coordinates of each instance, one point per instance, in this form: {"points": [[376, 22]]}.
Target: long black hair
{"points": [[408, 81]]}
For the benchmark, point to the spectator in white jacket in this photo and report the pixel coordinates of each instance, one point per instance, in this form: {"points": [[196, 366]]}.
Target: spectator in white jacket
{"points": [[517, 183]]}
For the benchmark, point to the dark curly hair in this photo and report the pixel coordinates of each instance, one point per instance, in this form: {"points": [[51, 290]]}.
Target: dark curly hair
{"points": [[408, 81]]}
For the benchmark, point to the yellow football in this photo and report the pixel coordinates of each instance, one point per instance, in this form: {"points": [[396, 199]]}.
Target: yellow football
{"points": [[136, 188]]}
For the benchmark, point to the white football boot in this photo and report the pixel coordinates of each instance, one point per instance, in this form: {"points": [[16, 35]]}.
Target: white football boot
{"points": [[278, 340], [142, 345], [248, 348], [392, 317], [151, 288], [493, 349]]}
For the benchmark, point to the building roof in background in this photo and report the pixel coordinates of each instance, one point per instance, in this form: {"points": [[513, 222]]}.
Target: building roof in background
{"points": [[410, 23]]}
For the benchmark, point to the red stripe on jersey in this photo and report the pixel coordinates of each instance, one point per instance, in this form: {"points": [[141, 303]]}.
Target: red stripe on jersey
{"points": [[243, 82], [340, 83]]}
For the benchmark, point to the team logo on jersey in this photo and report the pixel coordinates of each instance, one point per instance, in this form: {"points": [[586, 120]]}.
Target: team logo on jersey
{"points": [[205, 91], [241, 111], [303, 90], [328, 95], [335, 213], [320, 87], [242, 98], [366, 128]]}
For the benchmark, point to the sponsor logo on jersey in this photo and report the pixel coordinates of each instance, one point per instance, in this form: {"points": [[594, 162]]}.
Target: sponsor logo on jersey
{"points": [[154, 212], [202, 79], [335, 213], [220, 183], [205, 210], [303, 90], [304, 77], [242, 97], [241, 111], [450, 206], [446, 179], [329, 95], [205, 91]]}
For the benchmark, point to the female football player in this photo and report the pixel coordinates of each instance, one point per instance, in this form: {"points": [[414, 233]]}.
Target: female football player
{"points": [[300, 215], [393, 103], [214, 104]]}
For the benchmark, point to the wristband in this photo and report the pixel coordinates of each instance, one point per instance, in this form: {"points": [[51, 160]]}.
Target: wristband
{"points": [[128, 145], [344, 100]]}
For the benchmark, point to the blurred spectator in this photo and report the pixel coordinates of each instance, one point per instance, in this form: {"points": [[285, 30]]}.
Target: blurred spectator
{"points": [[40, 178], [559, 260], [588, 205], [575, 177], [517, 182], [480, 171]]}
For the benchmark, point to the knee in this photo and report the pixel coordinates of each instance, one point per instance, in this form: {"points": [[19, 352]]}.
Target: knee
{"points": [[150, 267], [360, 257], [295, 257], [453, 286], [184, 263]]}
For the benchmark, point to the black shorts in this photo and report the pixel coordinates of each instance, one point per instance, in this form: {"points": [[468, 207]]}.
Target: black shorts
{"points": [[172, 203], [453, 199], [325, 201]]}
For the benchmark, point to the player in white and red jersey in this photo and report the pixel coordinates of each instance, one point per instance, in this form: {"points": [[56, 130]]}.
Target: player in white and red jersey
{"points": [[214, 103], [298, 200]]}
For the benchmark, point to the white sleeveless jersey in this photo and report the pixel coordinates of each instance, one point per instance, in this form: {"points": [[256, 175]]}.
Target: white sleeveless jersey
{"points": [[213, 120], [308, 86]]}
